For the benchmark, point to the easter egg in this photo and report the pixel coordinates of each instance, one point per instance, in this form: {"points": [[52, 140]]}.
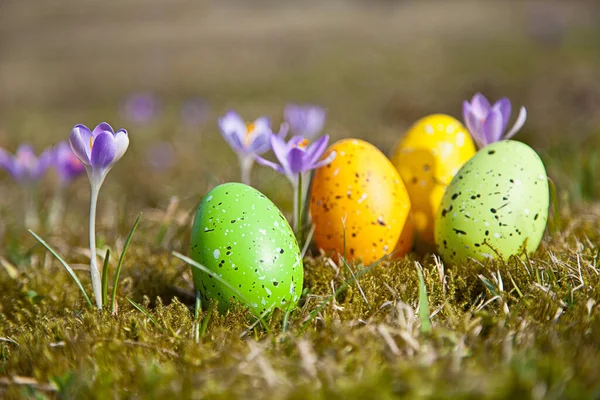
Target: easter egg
{"points": [[241, 236], [358, 202], [427, 158], [496, 205], [406, 240]]}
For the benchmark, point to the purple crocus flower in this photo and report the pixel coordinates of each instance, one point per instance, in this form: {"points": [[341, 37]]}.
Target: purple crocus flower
{"points": [[488, 124], [247, 140], [25, 166], [99, 149], [141, 108], [66, 163], [305, 120], [297, 156]]}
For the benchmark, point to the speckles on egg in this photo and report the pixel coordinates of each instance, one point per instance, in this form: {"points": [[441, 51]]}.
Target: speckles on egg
{"points": [[427, 158], [359, 197], [250, 244], [496, 205]]}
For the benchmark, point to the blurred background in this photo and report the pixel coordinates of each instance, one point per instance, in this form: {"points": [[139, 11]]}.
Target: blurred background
{"points": [[165, 70]]}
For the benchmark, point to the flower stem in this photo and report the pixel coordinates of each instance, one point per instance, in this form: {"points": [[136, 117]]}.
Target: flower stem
{"points": [[295, 212], [246, 163], [32, 221], [298, 189], [94, 271], [56, 207]]}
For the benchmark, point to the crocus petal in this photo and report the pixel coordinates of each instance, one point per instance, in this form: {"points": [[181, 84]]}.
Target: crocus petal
{"points": [[25, 163], [281, 150], [315, 121], [260, 137], [480, 105], [324, 161], [25, 151], [262, 125], [121, 143], [66, 163], [231, 122], [102, 127], [5, 158], [296, 160], [45, 160], [474, 124], [505, 109], [306, 121], [315, 150], [518, 124], [261, 144], [270, 164], [79, 139], [295, 141], [493, 126], [283, 130], [233, 129], [292, 113], [103, 150], [7, 162]]}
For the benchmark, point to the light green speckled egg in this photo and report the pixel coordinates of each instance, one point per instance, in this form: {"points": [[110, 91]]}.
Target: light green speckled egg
{"points": [[496, 205], [242, 236]]}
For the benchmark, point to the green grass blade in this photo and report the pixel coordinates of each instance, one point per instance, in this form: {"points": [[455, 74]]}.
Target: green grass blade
{"points": [[205, 321], [162, 232], [515, 285], [286, 318], [64, 264], [209, 272], [489, 285], [118, 272], [197, 307], [147, 314], [105, 277], [362, 293], [423, 304], [311, 232]]}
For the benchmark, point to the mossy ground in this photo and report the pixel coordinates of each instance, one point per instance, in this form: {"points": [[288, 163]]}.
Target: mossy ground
{"points": [[517, 328]]}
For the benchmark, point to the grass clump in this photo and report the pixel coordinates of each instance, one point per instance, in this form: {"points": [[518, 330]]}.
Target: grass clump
{"points": [[521, 327]]}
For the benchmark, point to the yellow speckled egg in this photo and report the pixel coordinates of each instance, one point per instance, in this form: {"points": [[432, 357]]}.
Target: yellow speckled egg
{"points": [[360, 195], [406, 240], [428, 157]]}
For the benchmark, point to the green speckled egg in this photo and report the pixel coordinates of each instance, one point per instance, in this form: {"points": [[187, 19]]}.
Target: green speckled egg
{"points": [[496, 205], [242, 236]]}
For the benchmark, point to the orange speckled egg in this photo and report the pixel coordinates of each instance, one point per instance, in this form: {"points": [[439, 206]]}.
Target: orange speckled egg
{"points": [[428, 157], [360, 194]]}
